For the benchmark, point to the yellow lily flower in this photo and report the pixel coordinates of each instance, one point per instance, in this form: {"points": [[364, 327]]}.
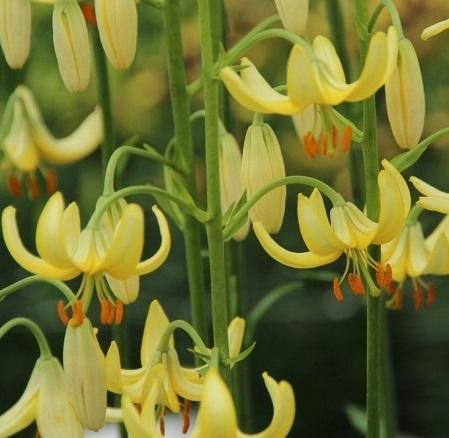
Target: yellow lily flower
{"points": [[178, 381], [433, 199], [348, 232], [294, 14], [404, 93], [47, 401], [65, 251], [84, 367], [262, 163], [15, 31], [28, 145], [217, 415], [314, 76], [435, 29]]}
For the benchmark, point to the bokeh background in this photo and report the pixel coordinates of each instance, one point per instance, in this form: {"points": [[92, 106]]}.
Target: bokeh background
{"points": [[307, 337]]}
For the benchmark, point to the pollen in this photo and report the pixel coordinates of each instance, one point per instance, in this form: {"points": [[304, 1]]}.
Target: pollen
{"points": [[347, 139], [356, 284], [78, 314], [119, 311], [311, 145], [338, 294], [104, 311], [62, 313], [89, 14]]}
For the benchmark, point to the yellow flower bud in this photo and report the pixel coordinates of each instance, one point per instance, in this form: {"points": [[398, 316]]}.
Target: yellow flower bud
{"points": [[84, 366], [405, 99], [294, 14], [15, 31], [71, 41], [117, 25], [230, 178], [262, 164]]}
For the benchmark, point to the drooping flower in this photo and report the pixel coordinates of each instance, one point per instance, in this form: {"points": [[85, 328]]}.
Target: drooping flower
{"points": [[28, 145], [217, 415], [117, 25], [348, 232], [294, 14], [262, 164], [71, 41], [314, 76], [404, 93], [46, 400], [15, 31], [97, 251]]}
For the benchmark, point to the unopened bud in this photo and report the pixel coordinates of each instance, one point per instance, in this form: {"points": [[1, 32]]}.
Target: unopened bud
{"points": [[117, 25], [71, 41], [405, 99], [262, 164], [294, 14]]}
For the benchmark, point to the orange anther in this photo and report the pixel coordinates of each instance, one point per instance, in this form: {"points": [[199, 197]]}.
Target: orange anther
{"points": [[347, 138], [89, 14], [111, 313], [307, 140], [186, 416], [51, 179], [62, 313], [104, 311], [380, 275], [418, 297], [388, 278], [33, 186], [356, 284], [323, 143], [119, 309], [431, 294], [14, 186], [399, 297], [78, 315], [338, 294]]}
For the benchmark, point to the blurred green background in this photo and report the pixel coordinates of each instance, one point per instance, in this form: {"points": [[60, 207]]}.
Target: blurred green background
{"points": [[307, 338]]}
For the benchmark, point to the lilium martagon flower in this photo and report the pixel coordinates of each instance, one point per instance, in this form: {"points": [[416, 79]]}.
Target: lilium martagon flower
{"points": [[66, 251], [349, 231]]}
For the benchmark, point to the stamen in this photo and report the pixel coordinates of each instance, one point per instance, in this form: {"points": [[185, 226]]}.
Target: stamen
{"points": [[338, 294], [347, 138], [111, 314], [356, 284], [418, 296], [324, 143], [33, 185], [388, 278], [314, 145], [104, 311], [14, 186], [89, 14], [431, 294], [307, 140], [186, 416], [51, 178], [380, 276], [78, 315], [118, 312], [62, 313]]}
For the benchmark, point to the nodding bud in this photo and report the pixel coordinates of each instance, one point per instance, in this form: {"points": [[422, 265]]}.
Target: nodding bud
{"points": [[15, 31], [71, 41], [230, 178], [294, 14], [262, 164], [117, 25], [404, 92]]}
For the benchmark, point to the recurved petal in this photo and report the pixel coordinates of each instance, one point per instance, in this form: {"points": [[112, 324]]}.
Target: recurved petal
{"points": [[394, 203], [283, 400], [326, 53], [71, 228], [441, 228], [417, 256], [159, 257], [252, 91], [362, 228], [236, 331], [298, 260], [434, 199], [438, 261], [23, 257], [314, 226], [113, 369], [395, 253], [126, 290], [435, 29], [85, 256]]}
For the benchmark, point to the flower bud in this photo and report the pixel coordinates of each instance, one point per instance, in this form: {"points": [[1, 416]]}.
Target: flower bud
{"points": [[262, 164], [117, 25], [230, 178], [294, 14], [71, 41], [84, 366], [405, 99], [15, 31]]}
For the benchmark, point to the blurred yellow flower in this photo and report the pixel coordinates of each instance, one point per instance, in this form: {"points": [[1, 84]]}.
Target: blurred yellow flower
{"points": [[294, 14], [348, 232], [435, 29], [433, 199], [217, 415]]}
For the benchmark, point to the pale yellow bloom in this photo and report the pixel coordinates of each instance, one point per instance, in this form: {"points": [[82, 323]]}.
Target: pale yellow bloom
{"points": [[47, 401], [294, 14], [262, 163], [117, 25], [71, 41], [404, 93], [84, 367], [435, 29], [15, 31], [217, 415], [314, 75], [112, 249], [231, 189], [349, 231]]}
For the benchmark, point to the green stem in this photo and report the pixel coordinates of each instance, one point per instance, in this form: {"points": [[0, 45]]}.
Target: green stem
{"points": [[183, 132], [104, 98], [34, 329], [213, 228]]}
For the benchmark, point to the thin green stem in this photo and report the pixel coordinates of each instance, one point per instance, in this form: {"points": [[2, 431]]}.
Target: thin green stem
{"points": [[374, 16], [213, 228], [183, 132], [44, 348], [395, 18]]}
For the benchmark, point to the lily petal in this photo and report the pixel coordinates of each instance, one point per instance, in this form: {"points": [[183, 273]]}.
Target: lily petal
{"points": [[236, 331], [439, 256], [126, 290], [395, 253], [417, 257], [135, 426]]}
